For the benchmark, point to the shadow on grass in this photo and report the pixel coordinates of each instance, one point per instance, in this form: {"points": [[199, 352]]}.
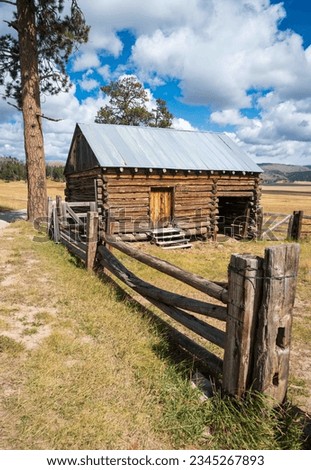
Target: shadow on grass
{"points": [[176, 348], [288, 426], [187, 363]]}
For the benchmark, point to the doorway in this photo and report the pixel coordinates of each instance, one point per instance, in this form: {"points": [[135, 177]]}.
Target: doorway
{"points": [[234, 216], [161, 207]]}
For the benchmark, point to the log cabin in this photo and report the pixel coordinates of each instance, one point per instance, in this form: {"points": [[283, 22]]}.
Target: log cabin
{"points": [[145, 179]]}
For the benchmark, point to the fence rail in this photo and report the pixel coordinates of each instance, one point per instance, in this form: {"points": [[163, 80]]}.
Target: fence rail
{"points": [[277, 226], [256, 303], [305, 231], [69, 223]]}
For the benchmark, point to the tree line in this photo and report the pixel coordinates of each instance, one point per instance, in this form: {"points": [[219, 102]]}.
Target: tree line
{"points": [[12, 169]]}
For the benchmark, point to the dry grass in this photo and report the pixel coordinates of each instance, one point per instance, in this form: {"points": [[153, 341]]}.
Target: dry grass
{"points": [[74, 356], [286, 199], [13, 195], [82, 368]]}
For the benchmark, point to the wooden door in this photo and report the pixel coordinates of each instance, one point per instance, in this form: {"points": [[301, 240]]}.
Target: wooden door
{"points": [[161, 206]]}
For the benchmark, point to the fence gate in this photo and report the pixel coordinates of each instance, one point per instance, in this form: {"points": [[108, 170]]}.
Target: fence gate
{"points": [[276, 226], [75, 224]]}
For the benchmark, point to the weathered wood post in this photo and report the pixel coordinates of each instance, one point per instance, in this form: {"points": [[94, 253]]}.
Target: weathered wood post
{"points": [[50, 216], [245, 226], [56, 232], [63, 218], [91, 239], [93, 206], [58, 205], [259, 223], [296, 225], [245, 273], [273, 335]]}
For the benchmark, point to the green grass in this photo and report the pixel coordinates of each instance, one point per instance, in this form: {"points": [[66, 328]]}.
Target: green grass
{"points": [[90, 371]]}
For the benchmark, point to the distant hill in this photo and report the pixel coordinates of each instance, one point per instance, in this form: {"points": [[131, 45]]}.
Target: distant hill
{"points": [[278, 172]]}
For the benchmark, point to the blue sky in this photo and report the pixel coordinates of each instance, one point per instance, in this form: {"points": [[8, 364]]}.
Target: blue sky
{"points": [[239, 66]]}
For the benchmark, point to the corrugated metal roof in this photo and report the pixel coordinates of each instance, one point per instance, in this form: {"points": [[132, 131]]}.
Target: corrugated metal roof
{"points": [[148, 147]]}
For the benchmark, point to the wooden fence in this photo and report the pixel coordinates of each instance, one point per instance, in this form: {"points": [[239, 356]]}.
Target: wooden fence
{"points": [[75, 224], [305, 228], [255, 306], [276, 226]]}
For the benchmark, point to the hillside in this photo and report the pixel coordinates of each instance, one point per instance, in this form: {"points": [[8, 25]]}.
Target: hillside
{"points": [[278, 172]]}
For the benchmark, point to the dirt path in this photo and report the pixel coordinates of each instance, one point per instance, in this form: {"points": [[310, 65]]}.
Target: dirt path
{"points": [[10, 216]]}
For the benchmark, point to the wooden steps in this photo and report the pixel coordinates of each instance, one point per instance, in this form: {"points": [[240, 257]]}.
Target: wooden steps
{"points": [[170, 238]]}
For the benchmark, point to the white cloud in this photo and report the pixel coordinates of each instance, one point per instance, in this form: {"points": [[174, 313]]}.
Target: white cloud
{"points": [[85, 61], [182, 125], [11, 139], [280, 121], [229, 116], [237, 47], [282, 134], [88, 84], [105, 72], [225, 54]]}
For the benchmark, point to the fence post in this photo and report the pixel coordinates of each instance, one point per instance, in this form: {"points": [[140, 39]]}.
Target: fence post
{"points": [[50, 215], [296, 225], [244, 292], [91, 239], [56, 232], [58, 205], [290, 227], [259, 223], [273, 336]]}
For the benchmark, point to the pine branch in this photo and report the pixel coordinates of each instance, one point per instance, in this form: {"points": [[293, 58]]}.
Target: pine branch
{"points": [[43, 116], [11, 104], [11, 24], [8, 1]]}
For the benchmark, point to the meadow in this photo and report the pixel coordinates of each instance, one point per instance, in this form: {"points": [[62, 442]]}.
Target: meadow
{"points": [[287, 198], [13, 194], [84, 366]]}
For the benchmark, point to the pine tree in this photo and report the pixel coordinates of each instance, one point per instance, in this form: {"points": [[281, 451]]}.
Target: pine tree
{"points": [[161, 117], [32, 61], [128, 105]]}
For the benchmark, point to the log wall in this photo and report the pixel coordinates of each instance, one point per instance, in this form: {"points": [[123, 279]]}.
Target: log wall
{"points": [[126, 196], [86, 186]]}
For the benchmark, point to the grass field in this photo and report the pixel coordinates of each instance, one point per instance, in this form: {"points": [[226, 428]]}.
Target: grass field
{"points": [[84, 368], [287, 198], [13, 195]]}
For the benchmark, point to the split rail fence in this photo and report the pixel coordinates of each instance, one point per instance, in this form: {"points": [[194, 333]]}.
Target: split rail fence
{"points": [[255, 307]]}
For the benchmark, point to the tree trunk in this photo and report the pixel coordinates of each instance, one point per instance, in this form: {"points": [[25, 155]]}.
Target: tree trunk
{"points": [[31, 107]]}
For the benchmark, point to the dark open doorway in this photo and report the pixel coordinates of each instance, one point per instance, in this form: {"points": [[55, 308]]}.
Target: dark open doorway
{"points": [[234, 216]]}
